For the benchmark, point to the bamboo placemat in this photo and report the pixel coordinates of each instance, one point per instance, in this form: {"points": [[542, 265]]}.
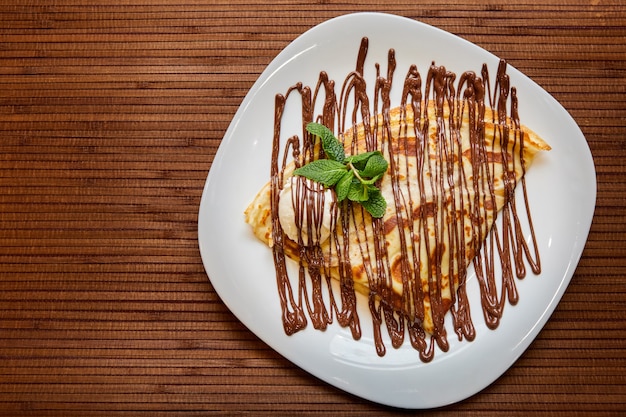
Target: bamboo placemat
{"points": [[110, 115]]}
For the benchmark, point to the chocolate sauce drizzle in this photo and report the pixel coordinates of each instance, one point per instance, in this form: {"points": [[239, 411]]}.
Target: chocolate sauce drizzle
{"points": [[472, 93]]}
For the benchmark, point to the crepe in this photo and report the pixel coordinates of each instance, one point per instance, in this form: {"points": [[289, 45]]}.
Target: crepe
{"points": [[449, 174]]}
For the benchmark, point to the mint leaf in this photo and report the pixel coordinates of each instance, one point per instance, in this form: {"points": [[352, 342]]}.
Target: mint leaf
{"points": [[324, 171], [375, 204], [343, 186], [376, 165], [331, 145], [358, 192], [371, 180], [353, 177], [360, 160]]}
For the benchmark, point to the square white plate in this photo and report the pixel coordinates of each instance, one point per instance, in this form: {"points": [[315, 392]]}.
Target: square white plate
{"points": [[562, 191]]}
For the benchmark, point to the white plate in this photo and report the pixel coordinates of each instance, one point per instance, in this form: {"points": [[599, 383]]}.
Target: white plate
{"points": [[562, 191]]}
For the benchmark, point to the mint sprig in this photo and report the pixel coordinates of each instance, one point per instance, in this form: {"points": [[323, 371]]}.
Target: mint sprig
{"points": [[353, 177]]}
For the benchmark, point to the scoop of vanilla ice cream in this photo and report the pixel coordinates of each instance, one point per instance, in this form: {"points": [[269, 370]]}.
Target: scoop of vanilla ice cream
{"points": [[303, 195]]}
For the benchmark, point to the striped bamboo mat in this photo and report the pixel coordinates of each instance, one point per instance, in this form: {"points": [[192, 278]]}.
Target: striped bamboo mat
{"points": [[110, 115]]}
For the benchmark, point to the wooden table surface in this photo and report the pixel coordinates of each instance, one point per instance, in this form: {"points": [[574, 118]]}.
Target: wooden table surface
{"points": [[110, 115]]}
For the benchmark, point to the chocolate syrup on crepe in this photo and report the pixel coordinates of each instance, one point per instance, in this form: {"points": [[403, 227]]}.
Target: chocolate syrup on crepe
{"points": [[303, 297]]}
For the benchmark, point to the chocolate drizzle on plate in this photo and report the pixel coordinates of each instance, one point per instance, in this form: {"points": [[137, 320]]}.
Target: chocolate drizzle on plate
{"points": [[458, 103]]}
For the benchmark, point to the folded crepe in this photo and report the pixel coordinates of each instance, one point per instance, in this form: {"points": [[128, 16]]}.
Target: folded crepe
{"points": [[449, 174]]}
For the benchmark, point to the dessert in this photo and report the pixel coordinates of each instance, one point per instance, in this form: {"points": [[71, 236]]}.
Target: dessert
{"points": [[455, 152]]}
